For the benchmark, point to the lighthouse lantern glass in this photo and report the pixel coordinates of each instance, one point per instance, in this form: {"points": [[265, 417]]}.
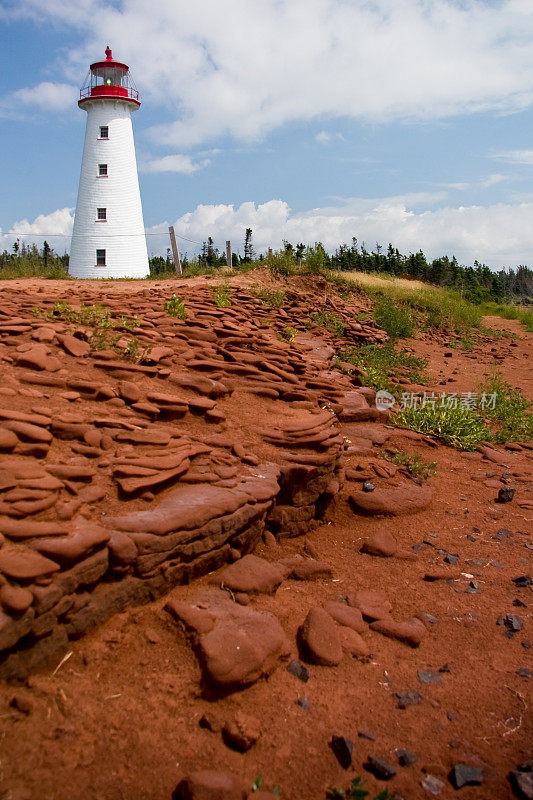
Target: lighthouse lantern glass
{"points": [[109, 76]]}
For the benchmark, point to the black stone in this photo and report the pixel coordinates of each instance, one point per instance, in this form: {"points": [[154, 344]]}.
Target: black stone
{"points": [[445, 668], [519, 603], [462, 775], [513, 623], [524, 672], [429, 677], [506, 494], [366, 735], [522, 581], [504, 533], [451, 558], [298, 670], [409, 698], [526, 644], [522, 784], [406, 758], [342, 749], [304, 703], [380, 768], [429, 618], [471, 538], [368, 486]]}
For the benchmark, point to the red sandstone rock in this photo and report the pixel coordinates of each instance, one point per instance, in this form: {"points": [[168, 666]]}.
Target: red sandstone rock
{"points": [[410, 632], [346, 615], [393, 501], [15, 599], [380, 543], [252, 575], [85, 537], [237, 645], [353, 643], [241, 732], [372, 604], [76, 347], [37, 357], [210, 785], [22, 563], [8, 439], [320, 638]]}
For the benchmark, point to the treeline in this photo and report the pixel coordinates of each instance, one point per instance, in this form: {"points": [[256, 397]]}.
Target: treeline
{"points": [[477, 283], [27, 261]]}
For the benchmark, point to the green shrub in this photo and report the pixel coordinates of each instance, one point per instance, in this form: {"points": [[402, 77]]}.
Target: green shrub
{"points": [[272, 298], [412, 462], [334, 323], [381, 361], [458, 426], [222, 295], [287, 334], [508, 409], [175, 307], [281, 262], [394, 319]]}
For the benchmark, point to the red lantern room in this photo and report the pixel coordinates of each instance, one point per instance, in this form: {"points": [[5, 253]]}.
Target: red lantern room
{"points": [[111, 79]]}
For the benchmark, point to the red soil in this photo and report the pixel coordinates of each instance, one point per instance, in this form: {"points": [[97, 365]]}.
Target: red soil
{"points": [[119, 719]]}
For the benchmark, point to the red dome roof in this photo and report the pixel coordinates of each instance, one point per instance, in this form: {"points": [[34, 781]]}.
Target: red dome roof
{"points": [[109, 61]]}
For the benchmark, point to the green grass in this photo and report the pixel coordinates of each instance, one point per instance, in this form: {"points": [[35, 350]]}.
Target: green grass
{"points": [[429, 306], [175, 307], [105, 330], [288, 333], [29, 270], [412, 462], [380, 362], [393, 318], [356, 791], [459, 427], [272, 298], [222, 295], [511, 414], [332, 322]]}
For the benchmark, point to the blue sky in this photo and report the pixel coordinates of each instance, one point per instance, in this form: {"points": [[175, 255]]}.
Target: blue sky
{"points": [[396, 120]]}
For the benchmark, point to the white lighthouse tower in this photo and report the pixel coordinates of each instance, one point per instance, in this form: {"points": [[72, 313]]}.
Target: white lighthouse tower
{"points": [[108, 239]]}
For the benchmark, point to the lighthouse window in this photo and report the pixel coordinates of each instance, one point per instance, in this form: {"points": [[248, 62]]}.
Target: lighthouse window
{"points": [[104, 132], [100, 258], [102, 214], [102, 170]]}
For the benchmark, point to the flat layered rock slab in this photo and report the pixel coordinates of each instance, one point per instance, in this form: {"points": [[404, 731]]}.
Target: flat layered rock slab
{"points": [[392, 501], [188, 507], [252, 575], [235, 644]]}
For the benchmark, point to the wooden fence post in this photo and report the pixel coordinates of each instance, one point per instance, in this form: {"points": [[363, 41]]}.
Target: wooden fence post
{"points": [[229, 260], [175, 253]]}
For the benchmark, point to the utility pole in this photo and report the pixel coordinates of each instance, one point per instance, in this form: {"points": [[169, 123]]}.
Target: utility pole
{"points": [[228, 254], [175, 253]]}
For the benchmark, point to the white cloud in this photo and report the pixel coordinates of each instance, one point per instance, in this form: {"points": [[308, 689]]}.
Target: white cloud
{"points": [[56, 228], [246, 67], [493, 180], [499, 234], [175, 163], [323, 137], [45, 96], [516, 156]]}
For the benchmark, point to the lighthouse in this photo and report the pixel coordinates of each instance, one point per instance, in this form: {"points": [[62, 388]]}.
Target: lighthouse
{"points": [[108, 239]]}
